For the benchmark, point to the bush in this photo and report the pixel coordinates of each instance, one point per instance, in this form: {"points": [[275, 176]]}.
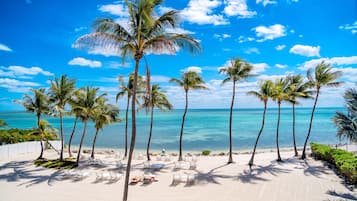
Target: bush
{"points": [[56, 164], [206, 152], [344, 161], [15, 135]]}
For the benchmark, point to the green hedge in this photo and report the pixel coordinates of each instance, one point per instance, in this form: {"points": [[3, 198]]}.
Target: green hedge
{"points": [[15, 135], [345, 162]]}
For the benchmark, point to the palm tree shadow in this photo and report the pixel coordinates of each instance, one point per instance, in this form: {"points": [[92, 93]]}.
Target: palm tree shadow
{"points": [[209, 177], [316, 171], [255, 174], [343, 196]]}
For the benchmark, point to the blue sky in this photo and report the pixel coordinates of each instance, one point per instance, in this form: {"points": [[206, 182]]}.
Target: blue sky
{"points": [[278, 37]]}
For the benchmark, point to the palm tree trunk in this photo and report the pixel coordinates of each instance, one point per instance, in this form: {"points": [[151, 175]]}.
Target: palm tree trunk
{"points": [[71, 137], [81, 142], [94, 141], [41, 143], [303, 155], [277, 133], [126, 127], [251, 161], [230, 160], [150, 133], [182, 125], [62, 138], [138, 56], [294, 138]]}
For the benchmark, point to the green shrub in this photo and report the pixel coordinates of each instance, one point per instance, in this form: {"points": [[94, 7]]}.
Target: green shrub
{"points": [[15, 135], [206, 152], [344, 161]]}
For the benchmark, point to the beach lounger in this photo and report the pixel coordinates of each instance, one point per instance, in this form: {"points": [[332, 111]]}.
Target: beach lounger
{"points": [[135, 180], [191, 178]]}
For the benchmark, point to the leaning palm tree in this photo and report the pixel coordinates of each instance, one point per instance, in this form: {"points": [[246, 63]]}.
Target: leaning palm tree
{"points": [[127, 89], [60, 93], [189, 80], [74, 102], [297, 89], [146, 33], [158, 100], [323, 76], [264, 93], [347, 123], [104, 115], [88, 103], [39, 104], [3, 123], [279, 94], [238, 70]]}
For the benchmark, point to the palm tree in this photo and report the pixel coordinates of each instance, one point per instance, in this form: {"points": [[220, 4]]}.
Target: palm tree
{"points": [[60, 92], [74, 102], [3, 123], [323, 76], [189, 80], [264, 93], [104, 115], [47, 132], [238, 70], [297, 89], [38, 104], [127, 90], [146, 33], [347, 123], [88, 103], [158, 100], [279, 94]]}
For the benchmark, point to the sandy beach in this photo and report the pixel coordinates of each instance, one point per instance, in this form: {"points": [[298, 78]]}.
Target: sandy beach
{"points": [[213, 179]]}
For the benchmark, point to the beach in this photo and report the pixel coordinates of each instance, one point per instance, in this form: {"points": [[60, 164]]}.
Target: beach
{"points": [[213, 179]]}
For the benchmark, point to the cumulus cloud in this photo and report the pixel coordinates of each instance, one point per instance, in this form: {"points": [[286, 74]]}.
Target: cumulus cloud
{"points": [[201, 12], [115, 9], [259, 67], [243, 39], [305, 50], [193, 69], [350, 27], [18, 86], [334, 61], [78, 29], [238, 8], [281, 66], [265, 2], [79, 61], [280, 47], [5, 48], [178, 30], [252, 50], [23, 72], [269, 33], [220, 37]]}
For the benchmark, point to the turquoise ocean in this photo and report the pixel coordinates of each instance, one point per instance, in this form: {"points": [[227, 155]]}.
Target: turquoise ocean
{"points": [[204, 128]]}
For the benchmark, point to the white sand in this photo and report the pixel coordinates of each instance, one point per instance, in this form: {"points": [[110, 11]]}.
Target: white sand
{"points": [[293, 180]]}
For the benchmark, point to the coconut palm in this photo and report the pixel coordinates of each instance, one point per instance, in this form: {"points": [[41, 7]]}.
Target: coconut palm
{"points": [[347, 123], [3, 123], [297, 89], [47, 132], [38, 104], [104, 115], [264, 93], [158, 100], [324, 76], [88, 103], [74, 102], [189, 80], [60, 93], [146, 33], [127, 89], [238, 70], [279, 94]]}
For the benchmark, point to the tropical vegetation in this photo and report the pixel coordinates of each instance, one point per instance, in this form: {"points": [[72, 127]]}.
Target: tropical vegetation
{"points": [[15, 135]]}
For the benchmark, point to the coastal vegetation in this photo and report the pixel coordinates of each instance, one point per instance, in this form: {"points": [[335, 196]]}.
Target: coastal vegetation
{"points": [[15, 135]]}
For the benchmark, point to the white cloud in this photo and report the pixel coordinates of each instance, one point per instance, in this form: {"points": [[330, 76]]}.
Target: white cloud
{"points": [[238, 8], [265, 2], [5, 48], [243, 39], [202, 12], [305, 50], [193, 69], [280, 47], [22, 72], [334, 61], [115, 9], [14, 85], [281, 66], [270, 32], [178, 30], [220, 37], [348, 73], [105, 51], [259, 67], [78, 29], [79, 61], [352, 27], [160, 78], [252, 50]]}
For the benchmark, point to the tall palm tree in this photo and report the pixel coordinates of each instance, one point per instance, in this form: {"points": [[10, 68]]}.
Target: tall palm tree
{"points": [[238, 70], [264, 93], [347, 123], [104, 115], [297, 88], [88, 103], [279, 94], [158, 100], [38, 104], [60, 92], [189, 80], [3, 123], [146, 33], [127, 89], [74, 102], [323, 76]]}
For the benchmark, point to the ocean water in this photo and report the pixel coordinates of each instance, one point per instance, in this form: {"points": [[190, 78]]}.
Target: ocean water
{"points": [[204, 128]]}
